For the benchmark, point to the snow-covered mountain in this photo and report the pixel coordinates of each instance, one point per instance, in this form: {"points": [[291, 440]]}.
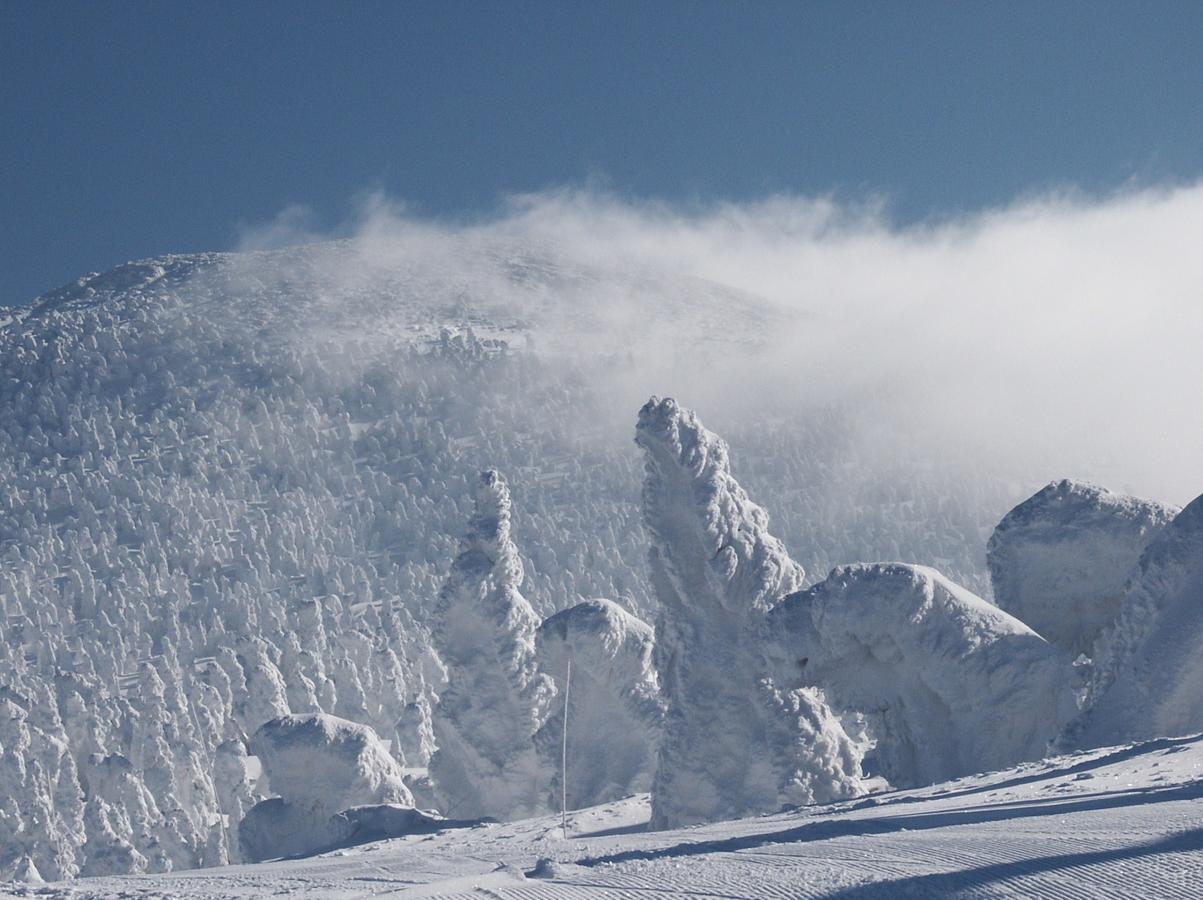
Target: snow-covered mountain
{"points": [[235, 485]]}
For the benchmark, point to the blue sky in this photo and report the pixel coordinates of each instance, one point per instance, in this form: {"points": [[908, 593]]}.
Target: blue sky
{"points": [[133, 129]]}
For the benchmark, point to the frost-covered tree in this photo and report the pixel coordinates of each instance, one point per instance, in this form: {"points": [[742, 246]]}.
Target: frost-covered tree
{"points": [[946, 684], [1148, 679], [496, 698], [734, 742], [614, 706], [1059, 560]]}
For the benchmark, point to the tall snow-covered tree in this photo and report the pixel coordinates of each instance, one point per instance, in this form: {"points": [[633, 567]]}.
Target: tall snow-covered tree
{"points": [[734, 743], [496, 698]]}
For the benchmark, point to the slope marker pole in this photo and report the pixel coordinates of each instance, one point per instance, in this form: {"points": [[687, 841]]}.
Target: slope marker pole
{"points": [[564, 756]]}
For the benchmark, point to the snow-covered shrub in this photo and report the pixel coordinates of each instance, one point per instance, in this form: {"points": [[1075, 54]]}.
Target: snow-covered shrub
{"points": [[319, 765]]}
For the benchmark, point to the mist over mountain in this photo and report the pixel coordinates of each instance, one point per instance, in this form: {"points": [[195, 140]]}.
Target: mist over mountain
{"points": [[236, 482]]}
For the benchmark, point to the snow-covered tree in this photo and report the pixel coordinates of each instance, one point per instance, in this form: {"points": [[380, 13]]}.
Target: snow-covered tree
{"points": [[496, 698], [1148, 678], [615, 709], [734, 742], [1059, 560], [946, 683]]}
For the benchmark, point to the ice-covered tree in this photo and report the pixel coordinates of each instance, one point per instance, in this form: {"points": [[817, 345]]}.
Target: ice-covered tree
{"points": [[734, 743], [1059, 560], [1148, 679], [496, 698], [947, 684], [615, 709]]}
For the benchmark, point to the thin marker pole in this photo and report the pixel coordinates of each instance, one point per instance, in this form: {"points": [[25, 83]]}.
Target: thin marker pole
{"points": [[564, 756]]}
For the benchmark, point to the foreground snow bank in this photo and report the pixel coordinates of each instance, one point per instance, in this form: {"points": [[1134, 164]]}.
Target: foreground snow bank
{"points": [[616, 711], [1059, 560], [320, 765], [948, 684], [1149, 674], [734, 744]]}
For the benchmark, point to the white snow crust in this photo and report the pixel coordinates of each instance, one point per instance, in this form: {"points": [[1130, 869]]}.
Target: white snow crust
{"points": [[1118, 822], [1059, 560]]}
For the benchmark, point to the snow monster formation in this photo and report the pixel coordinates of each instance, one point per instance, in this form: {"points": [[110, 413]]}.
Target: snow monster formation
{"points": [[734, 744], [948, 685], [615, 709], [1059, 561], [320, 766], [1148, 679], [496, 699]]}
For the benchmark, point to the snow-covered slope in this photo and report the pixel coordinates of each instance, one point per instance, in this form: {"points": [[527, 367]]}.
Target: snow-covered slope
{"points": [[1059, 560], [948, 684], [1149, 673], [234, 485], [1121, 822]]}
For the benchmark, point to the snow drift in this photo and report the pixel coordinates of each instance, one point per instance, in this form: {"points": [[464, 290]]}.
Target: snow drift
{"points": [[1059, 560], [948, 684], [496, 698], [615, 711], [1148, 679], [734, 743]]}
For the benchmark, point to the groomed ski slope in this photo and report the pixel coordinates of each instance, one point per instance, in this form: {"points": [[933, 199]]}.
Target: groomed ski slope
{"points": [[1116, 822]]}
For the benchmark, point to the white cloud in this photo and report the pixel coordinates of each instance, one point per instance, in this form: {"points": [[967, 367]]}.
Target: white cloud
{"points": [[1063, 328]]}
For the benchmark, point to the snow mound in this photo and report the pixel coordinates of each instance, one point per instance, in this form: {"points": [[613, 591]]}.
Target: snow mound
{"points": [[1148, 679], [948, 684], [1059, 560], [326, 763], [496, 698], [734, 744], [616, 711]]}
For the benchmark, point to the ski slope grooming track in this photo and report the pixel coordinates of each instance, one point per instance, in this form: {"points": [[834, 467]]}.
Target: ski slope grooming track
{"points": [[1117, 822]]}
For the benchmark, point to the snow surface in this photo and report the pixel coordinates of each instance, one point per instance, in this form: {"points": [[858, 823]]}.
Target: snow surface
{"points": [[1059, 560], [1118, 822], [1148, 677], [947, 684]]}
